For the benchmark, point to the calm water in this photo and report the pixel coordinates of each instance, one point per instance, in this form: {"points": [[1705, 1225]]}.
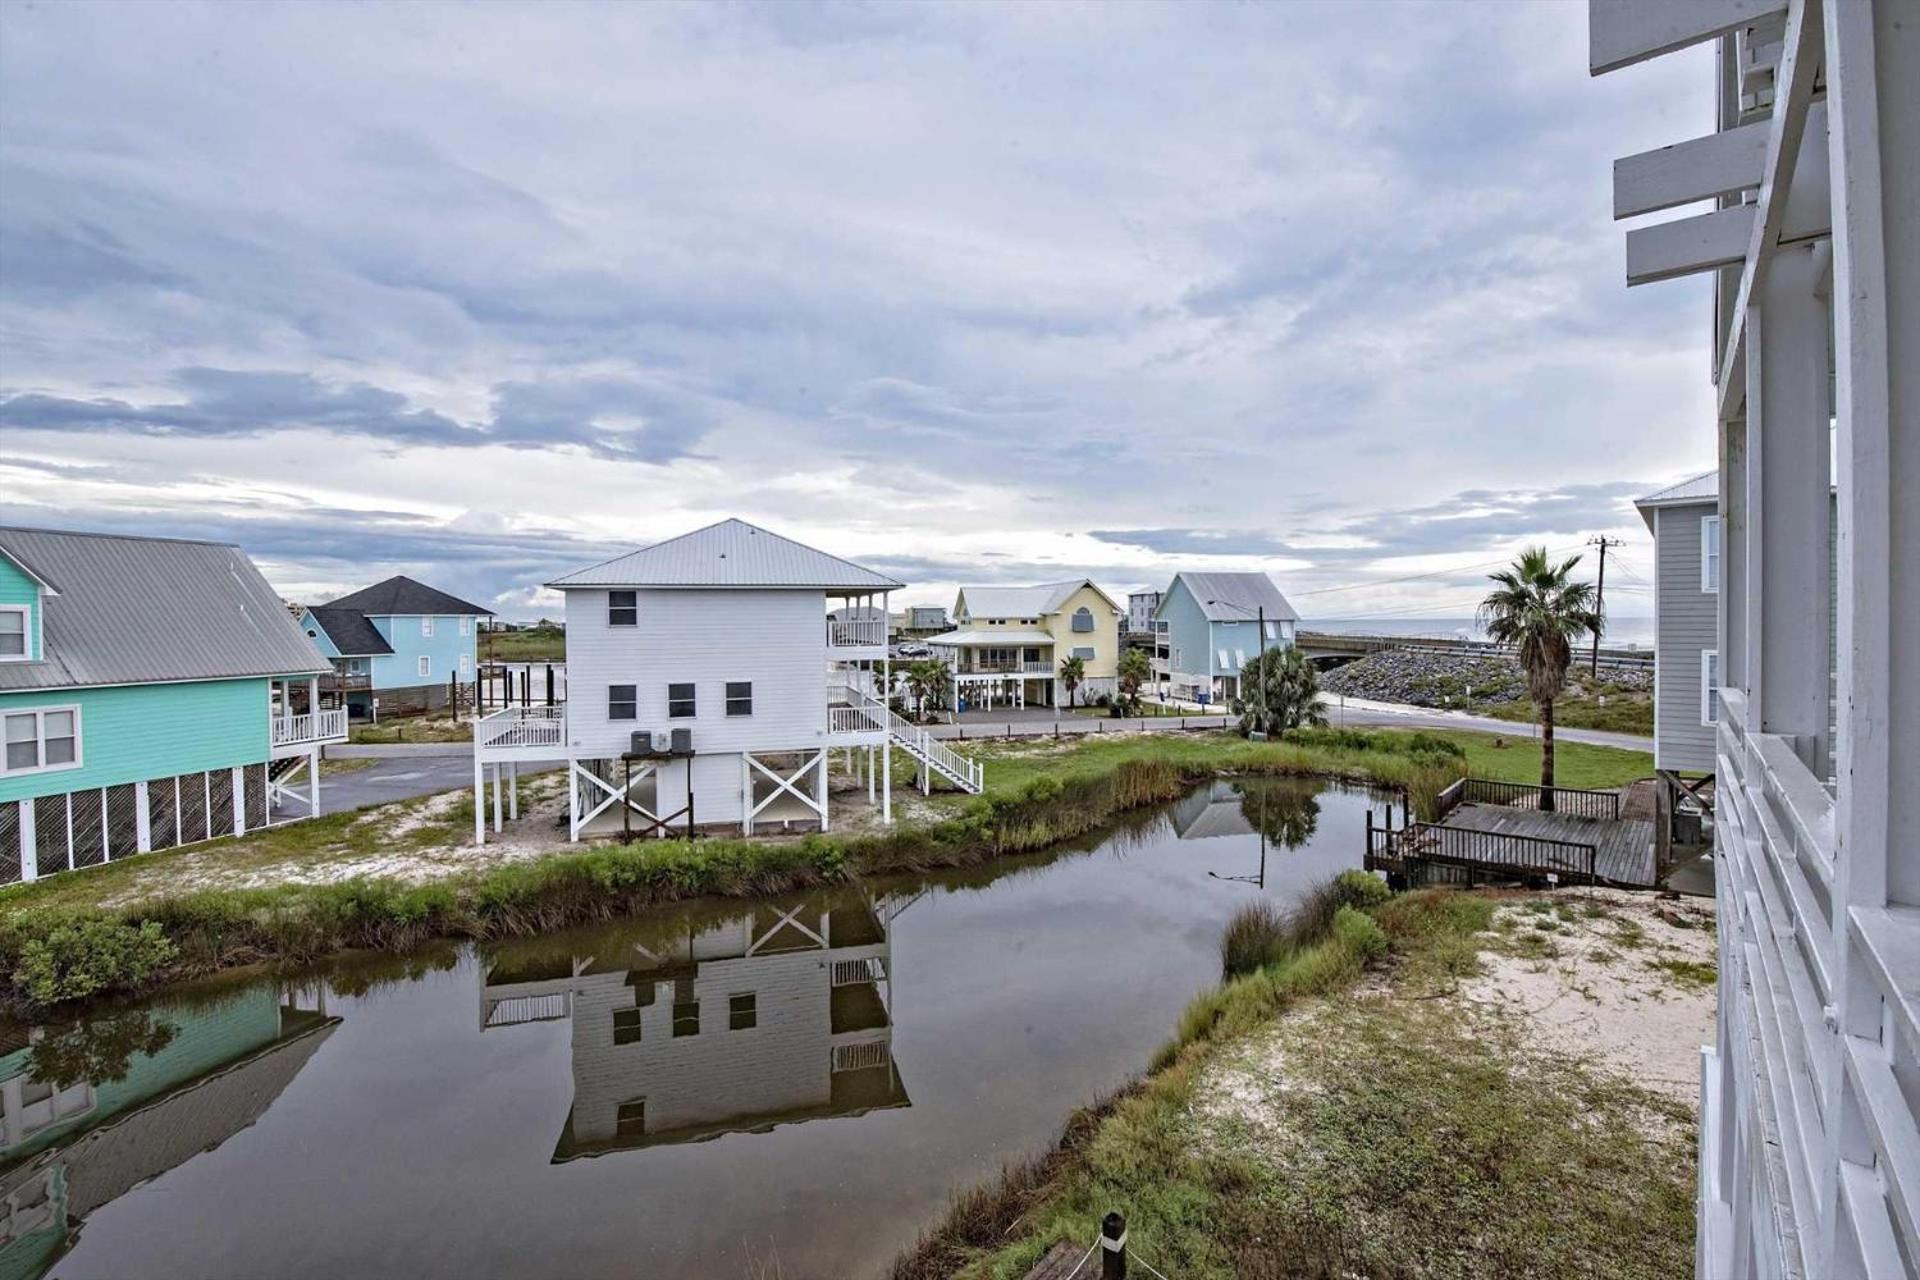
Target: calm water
{"points": [[807, 1078]]}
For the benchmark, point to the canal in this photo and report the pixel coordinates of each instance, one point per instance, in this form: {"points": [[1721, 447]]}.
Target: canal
{"points": [[705, 1091]]}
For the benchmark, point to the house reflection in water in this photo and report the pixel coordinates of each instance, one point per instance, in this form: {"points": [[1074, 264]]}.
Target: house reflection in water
{"points": [[1285, 812], [728, 1025], [90, 1111]]}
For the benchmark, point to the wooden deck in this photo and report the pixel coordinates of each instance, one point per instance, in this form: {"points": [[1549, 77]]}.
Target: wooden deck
{"points": [[1623, 849]]}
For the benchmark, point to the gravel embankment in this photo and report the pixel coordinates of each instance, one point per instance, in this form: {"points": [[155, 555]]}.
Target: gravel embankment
{"points": [[1454, 680]]}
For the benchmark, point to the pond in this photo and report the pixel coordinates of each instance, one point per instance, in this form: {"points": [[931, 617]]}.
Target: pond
{"points": [[699, 1091]]}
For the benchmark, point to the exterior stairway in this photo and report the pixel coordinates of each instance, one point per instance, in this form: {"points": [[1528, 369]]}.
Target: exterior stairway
{"points": [[969, 775]]}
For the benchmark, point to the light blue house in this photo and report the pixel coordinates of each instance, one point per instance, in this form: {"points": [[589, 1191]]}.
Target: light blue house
{"points": [[1212, 627], [153, 692], [398, 642]]}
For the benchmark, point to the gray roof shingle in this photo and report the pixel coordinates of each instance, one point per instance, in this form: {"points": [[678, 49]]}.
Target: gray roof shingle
{"points": [[731, 553], [1238, 597], [144, 610], [350, 631], [401, 595]]}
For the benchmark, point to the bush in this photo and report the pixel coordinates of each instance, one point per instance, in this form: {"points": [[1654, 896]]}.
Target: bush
{"points": [[1361, 889], [85, 957], [1360, 933], [1255, 936]]}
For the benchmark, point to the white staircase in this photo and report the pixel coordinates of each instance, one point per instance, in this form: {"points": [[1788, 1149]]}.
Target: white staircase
{"points": [[968, 775]]}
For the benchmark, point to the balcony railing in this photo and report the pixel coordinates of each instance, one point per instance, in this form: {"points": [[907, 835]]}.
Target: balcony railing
{"points": [[856, 633], [318, 726], [1005, 667], [522, 727], [346, 682], [866, 716]]}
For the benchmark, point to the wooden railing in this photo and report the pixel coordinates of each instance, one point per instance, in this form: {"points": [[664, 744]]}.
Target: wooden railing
{"points": [[856, 633], [1495, 853], [345, 682], [522, 727], [1572, 801], [317, 726]]}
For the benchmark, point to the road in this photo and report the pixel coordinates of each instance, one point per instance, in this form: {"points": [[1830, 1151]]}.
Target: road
{"points": [[397, 778]]}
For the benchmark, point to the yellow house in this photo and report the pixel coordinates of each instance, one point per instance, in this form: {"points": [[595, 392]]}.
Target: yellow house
{"points": [[1008, 642]]}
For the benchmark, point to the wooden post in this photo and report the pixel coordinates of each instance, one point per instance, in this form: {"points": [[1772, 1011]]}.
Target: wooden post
{"points": [[549, 684], [1113, 1246]]}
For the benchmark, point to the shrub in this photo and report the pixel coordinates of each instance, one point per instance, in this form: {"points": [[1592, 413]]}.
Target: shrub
{"points": [[85, 957], [1255, 936], [1361, 889], [1359, 933]]}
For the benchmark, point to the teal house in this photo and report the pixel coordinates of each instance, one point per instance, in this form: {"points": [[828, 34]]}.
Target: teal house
{"points": [[153, 692], [398, 642], [1213, 626]]}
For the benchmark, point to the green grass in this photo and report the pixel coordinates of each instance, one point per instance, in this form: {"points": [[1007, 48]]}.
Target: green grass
{"points": [[1392, 1135], [1575, 764], [435, 727], [1621, 713], [536, 645]]}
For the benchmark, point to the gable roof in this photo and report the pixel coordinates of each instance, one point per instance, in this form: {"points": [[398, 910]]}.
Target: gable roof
{"points": [[731, 553], [1701, 488], [1024, 602], [146, 610], [400, 595], [351, 633], [1237, 597]]}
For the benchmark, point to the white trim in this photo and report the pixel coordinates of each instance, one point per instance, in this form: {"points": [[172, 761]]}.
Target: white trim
{"points": [[464, 623], [26, 633], [1710, 555], [1709, 686], [425, 665], [40, 740], [466, 663], [426, 626]]}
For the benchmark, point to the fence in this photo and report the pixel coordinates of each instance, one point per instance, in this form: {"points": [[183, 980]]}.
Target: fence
{"points": [[1414, 848], [1571, 801]]}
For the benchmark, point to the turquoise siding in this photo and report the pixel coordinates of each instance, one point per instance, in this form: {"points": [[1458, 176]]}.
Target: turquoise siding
{"points": [[17, 588], [130, 733], [204, 1038], [444, 648]]}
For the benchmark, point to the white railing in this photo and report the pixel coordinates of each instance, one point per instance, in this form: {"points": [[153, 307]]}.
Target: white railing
{"points": [[521, 727], [1005, 669], [970, 774], [856, 633], [514, 1010], [861, 1057], [848, 973], [864, 716], [316, 726]]}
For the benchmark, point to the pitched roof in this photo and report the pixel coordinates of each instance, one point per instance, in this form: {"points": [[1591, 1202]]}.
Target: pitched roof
{"points": [[350, 631], [1704, 487], [1024, 602], [141, 610], [1237, 597], [990, 636], [401, 595], [731, 553]]}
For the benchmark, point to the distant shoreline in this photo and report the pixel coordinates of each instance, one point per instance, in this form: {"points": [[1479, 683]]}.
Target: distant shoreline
{"points": [[1622, 632]]}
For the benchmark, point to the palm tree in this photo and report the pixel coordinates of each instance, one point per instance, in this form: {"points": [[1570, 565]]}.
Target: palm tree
{"points": [[1537, 609], [1134, 671], [928, 680], [1280, 690], [1073, 673]]}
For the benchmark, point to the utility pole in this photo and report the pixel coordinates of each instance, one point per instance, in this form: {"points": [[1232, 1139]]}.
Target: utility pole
{"points": [[1599, 600]]}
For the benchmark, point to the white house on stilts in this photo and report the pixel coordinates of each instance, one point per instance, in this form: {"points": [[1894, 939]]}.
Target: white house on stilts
{"points": [[707, 685]]}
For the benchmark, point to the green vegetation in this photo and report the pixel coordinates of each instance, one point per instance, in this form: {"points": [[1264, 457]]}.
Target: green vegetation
{"points": [[429, 727], [1536, 607], [1624, 711], [1282, 693], [1073, 674], [1576, 764], [332, 766], [1384, 1135], [536, 644]]}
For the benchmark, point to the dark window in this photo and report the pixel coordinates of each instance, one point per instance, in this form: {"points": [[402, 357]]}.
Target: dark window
{"points": [[621, 701], [686, 1017], [739, 697], [623, 608], [742, 1011], [631, 1120], [1083, 619], [626, 1026], [679, 701]]}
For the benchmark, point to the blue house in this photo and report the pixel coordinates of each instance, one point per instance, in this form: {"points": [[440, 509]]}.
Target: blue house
{"points": [[397, 642], [1212, 629], [153, 692]]}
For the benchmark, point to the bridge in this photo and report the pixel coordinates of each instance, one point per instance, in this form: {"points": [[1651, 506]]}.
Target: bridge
{"points": [[1330, 649]]}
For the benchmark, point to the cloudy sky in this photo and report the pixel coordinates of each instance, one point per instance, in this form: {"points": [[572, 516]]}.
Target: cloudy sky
{"points": [[969, 293]]}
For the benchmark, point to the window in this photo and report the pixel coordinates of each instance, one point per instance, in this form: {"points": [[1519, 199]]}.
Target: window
{"points": [[739, 697], [426, 629], [45, 738], [1710, 554], [686, 1018], [1273, 630], [13, 635], [1239, 657], [426, 665], [1083, 619], [630, 1121], [623, 608], [466, 663], [466, 625], [680, 704], [1709, 686], [1224, 664], [626, 1026], [742, 1012], [1084, 652], [622, 701]]}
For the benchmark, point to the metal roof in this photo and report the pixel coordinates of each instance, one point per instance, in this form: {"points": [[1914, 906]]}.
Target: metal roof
{"points": [[144, 610], [1007, 636], [1702, 488], [402, 596], [1237, 597], [1024, 602], [352, 634], [731, 553]]}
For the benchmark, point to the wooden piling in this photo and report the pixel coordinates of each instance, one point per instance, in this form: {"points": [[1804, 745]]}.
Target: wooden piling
{"points": [[1113, 1246]]}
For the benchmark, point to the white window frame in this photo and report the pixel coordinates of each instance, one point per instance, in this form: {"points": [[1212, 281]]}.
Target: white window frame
{"points": [[40, 715], [1224, 664], [1086, 652], [465, 625], [466, 663], [426, 665], [26, 633], [1709, 686], [426, 626], [1710, 561]]}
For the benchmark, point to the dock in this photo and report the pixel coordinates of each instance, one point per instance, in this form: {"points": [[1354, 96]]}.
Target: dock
{"points": [[1501, 830]]}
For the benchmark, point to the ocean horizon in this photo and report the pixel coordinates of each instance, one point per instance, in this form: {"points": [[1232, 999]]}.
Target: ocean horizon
{"points": [[1622, 632]]}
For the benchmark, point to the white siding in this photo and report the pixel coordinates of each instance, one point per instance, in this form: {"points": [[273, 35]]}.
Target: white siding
{"points": [[1685, 627], [776, 639]]}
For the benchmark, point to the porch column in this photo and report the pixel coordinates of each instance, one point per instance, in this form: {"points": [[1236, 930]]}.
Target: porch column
{"points": [[496, 799], [313, 777], [886, 783], [573, 798], [480, 800], [746, 796], [820, 781], [143, 819], [869, 768], [513, 790]]}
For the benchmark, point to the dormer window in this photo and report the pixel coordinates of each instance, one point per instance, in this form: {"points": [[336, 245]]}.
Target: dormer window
{"points": [[13, 634]]}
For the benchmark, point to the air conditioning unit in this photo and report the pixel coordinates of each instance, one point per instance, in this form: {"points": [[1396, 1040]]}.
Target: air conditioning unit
{"points": [[681, 743], [647, 742]]}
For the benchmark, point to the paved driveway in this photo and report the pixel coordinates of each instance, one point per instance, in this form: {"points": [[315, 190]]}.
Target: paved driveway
{"points": [[399, 778]]}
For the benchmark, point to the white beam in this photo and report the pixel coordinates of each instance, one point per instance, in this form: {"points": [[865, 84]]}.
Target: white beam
{"points": [[1623, 32], [1698, 169], [1688, 246]]}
